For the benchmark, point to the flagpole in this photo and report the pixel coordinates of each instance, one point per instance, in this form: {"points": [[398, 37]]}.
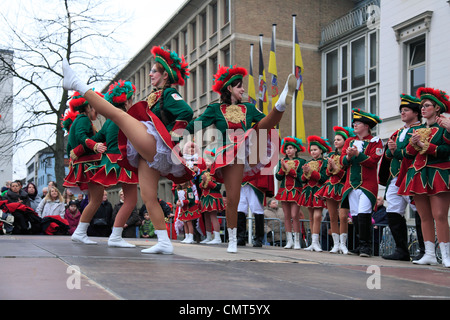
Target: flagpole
{"points": [[260, 102], [293, 71]]}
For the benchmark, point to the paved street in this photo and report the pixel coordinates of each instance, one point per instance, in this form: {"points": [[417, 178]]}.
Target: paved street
{"points": [[45, 268]]}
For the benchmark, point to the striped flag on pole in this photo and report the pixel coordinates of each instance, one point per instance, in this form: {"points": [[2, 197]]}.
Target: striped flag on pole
{"points": [[263, 98], [251, 80], [300, 93], [273, 67]]}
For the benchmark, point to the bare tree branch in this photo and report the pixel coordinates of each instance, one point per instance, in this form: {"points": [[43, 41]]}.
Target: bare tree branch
{"points": [[39, 101]]}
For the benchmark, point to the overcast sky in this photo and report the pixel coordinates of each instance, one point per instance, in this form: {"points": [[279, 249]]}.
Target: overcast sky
{"points": [[148, 17]]}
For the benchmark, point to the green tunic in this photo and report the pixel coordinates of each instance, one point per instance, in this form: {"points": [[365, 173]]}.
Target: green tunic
{"points": [[81, 130], [399, 154], [226, 117], [175, 108]]}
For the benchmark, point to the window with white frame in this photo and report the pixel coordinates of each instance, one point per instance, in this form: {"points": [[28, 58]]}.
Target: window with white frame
{"points": [[412, 38], [415, 65], [351, 80]]}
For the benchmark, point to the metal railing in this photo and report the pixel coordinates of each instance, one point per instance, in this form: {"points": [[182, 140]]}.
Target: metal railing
{"points": [[354, 19], [382, 240]]}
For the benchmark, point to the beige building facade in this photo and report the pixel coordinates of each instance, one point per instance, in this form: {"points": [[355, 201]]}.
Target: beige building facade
{"points": [[220, 32]]}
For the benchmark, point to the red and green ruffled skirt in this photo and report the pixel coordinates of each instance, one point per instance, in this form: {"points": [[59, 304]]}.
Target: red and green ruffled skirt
{"points": [[431, 179], [108, 173], [188, 214], [330, 191], [79, 176], [309, 200], [211, 202], [292, 195]]}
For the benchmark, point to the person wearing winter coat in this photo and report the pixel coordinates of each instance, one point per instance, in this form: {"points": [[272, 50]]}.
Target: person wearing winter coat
{"points": [[52, 204], [16, 194], [72, 215], [33, 195]]}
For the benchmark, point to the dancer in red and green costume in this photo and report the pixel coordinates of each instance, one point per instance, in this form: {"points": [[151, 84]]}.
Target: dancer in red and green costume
{"points": [[211, 201], [332, 189], [314, 176], [78, 179], [289, 173], [361, 155], [232, 164], [147, 137], [428, 178], [186, 199], [108, 173], [410, 114]]}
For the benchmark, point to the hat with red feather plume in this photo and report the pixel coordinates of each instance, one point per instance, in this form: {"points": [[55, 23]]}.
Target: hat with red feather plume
{"points": [[438, 96], [119, 92], [293, 141], [77, 101], [68, 118], [175, 66], [322, 143], [226, 75], [345, 132]]}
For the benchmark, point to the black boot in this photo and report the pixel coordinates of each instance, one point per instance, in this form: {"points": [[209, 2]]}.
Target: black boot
{"points": [[259, 231], [355, 243], [419, 236], [241, 228], [397, 224], [365, 237]]}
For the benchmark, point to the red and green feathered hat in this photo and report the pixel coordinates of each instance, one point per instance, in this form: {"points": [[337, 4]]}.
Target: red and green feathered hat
{"points": [[322, 143], [366, 117], [119, 92], [175, 66], [68, 118], [293, 141], [345, 132], [226, 75], [436, 95], [77, 101]]}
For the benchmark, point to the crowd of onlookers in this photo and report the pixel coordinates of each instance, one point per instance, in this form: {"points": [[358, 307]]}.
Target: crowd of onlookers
{"points": [[51, 202]]}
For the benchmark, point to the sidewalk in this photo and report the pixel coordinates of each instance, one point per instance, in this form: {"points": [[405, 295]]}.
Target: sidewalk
{"points": [[45, 267]]}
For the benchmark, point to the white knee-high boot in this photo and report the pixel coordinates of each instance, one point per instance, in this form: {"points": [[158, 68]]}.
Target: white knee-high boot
{"points": [[289, 242], [297, 241], [208, 237], [217, 239], [80, 234], [343, 243], [315, 243], [445, 253], [232, 240], [287, 93], [116, 240], [163, 246], [430, 256], [336, 244]]}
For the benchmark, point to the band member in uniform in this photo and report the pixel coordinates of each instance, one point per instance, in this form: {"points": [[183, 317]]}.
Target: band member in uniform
{"points": [[332, 189], [290, 171], [410, 114], [361, 155], [428, 178], [314, 176], [211, 201]]}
